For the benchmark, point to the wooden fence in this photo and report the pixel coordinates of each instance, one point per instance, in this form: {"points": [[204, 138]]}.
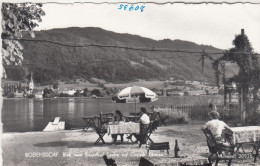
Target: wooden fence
{"points": [[196, 112]]}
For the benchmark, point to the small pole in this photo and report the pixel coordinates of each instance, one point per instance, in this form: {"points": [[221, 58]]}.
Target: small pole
{"points": [[135, 104]]}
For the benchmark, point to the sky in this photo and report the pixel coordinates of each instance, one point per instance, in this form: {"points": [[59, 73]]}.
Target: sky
{"points": [[206, 24]]}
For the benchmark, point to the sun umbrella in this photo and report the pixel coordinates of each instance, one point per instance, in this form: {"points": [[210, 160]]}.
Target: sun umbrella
{"points": [[135, 94]]}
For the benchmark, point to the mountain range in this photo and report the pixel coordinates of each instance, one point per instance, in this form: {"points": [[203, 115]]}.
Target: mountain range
{"points": [[70, 53]]}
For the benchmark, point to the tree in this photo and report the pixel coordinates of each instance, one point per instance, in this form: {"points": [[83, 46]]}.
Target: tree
{"points": [[96, 92], [15, 19], [77, 93], [48, 93], [247, 79], [85, 92]]}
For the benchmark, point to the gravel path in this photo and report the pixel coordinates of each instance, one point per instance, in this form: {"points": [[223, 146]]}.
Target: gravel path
{"points": [[76, 147]]}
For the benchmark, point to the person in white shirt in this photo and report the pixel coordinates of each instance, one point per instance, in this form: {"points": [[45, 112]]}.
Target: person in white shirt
{"points": [[144, 118], [215, 125], [144, 123]]}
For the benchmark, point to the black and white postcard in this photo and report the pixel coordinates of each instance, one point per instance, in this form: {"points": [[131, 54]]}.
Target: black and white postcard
{"points": [[130, 82]]}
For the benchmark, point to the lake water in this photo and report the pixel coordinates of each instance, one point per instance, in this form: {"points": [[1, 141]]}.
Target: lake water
{"points": [[22, 115]]}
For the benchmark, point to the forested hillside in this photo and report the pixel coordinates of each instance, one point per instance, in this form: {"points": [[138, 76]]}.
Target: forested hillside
{"points": [[70, 59]]}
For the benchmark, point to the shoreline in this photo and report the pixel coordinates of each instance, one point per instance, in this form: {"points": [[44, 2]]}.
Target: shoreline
{"points": [[36, 132]]}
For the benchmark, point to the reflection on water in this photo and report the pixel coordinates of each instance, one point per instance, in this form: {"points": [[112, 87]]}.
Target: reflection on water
{"points": [[21, 115], [71, 105], [30, 117]]}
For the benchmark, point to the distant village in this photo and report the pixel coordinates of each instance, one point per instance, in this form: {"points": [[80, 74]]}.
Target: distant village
{"points": [[16, 89]]}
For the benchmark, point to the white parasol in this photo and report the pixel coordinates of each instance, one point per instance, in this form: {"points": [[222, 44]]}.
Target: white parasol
{"points": [[135, 94]]}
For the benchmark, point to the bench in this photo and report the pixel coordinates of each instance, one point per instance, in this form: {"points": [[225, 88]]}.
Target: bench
{"points": [[158, 146]]}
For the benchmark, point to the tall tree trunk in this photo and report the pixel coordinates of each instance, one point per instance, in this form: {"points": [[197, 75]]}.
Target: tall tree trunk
{"points": [[242, 105], [229, 97], [225, 94]]}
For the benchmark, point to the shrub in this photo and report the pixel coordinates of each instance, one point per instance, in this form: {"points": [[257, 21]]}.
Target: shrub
{"points": [[253, 115], [10, 95], [30, 96], [253, 118], [173, 116]]}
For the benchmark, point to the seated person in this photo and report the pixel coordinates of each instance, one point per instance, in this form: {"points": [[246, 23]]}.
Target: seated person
{"points": [[144, 123], [215, 125], [118, 117]]}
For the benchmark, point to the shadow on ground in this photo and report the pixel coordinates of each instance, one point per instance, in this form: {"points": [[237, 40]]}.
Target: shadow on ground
{"points": [[69, 144], [80, 144]]}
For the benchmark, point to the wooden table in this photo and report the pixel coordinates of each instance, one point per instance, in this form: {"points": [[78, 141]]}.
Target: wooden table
{"points": [[245, 134], [172, 161], [117, 128], [90, 122], [123, 128]]}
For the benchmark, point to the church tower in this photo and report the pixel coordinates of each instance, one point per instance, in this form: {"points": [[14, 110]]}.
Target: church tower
{"points": [[31, 85]]}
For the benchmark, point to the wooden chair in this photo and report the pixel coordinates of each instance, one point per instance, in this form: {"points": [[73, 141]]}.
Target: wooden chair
{"points": [[109, 114], [219, 148], [158, 146], [101, 132], [134, 113], [147, 135], [109, 162], [90, 122], [106, 117], [157, 116]]}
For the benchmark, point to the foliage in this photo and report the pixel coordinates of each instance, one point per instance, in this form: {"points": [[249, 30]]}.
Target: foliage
{"points": [[110, 91], [45, 76], [221, 91], [96, 92], [246, 59], [17, 18], [85, 92], [65, 95], [56, 85], [16, 73], [10, 95], [249, 75], [233, 114], [30, 96], [186, 93], [48, 93], [174, 116], [77, 93]]}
